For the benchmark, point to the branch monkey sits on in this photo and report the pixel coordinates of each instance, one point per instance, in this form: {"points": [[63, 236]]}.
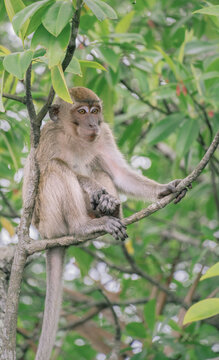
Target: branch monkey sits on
{"points": [[81, 170]]}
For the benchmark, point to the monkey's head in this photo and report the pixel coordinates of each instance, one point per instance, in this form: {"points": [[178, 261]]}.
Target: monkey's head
{"points": [[83, 118]]}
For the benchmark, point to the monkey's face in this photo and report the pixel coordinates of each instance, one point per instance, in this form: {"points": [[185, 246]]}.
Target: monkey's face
{"points": [[86, 120]]}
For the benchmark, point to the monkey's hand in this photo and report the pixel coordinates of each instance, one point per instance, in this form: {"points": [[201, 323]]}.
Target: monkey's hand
{"points": [[115, 227], [104, 203], [171, 188]]}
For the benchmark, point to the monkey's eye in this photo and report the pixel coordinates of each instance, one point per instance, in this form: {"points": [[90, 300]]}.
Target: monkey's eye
{"points": [[94, 111], [82, 111]]}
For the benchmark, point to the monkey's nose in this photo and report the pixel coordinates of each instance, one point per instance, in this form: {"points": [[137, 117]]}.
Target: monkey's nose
{"points": [[94, 127]]}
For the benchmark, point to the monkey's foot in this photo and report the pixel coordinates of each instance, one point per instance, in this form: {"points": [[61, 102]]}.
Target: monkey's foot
{"points": [[171, 188], [104, 203], [115, 227]]}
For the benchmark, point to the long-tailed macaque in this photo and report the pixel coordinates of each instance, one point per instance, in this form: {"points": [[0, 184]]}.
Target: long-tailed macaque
{"points": [[81, 170]]}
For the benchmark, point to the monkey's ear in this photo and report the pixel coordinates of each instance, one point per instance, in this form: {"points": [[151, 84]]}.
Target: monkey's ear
{"points": [[54, 112]]}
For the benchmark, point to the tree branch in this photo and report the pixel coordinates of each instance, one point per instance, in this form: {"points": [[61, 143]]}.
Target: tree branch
{"points": [[83, 320], [35, 130], [134, 269], [12, 213], [35, 246], [10, 322], [153, 107], [183, 184], [102, 304], [21, 99], [115, 352]]}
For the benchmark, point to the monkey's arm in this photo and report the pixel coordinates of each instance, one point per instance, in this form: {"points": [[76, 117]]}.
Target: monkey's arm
{"points": [[128, 181]]}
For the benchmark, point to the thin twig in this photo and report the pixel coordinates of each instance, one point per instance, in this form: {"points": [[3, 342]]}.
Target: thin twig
{"points": [[168, 350], [215, 190], [183, 184], [7, 215], [21, 99], [35, 129], [136, 270], [82, 321], [153, 107], [13, 213], [115, 352], [205, 115], [102, 304]]}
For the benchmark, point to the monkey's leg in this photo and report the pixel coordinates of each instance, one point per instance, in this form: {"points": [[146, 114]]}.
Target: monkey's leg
{"points": [[63, 207], [62, 210]]}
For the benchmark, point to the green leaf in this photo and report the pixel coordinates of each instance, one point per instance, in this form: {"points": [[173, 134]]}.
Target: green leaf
{"points": [[10, 150], [129, 37], [213, 271], [22, 16], [36, 19], [39, 53], [12, 7], [202, 310], [141, 356], [101, 10], [136, 329], [41, 37], [164, 128], [5, 171], [168, 60], [110, 57], [74, 67], [2, 109], [17, 63], [124, 24], [209, 75], [196, 47], [57, 17], [55, 46], [83, 260], [174, 326], [107, 96], [131, 133], [4, 51], [92, 64], [211, 10], [59, 84], [188, 37], [187, 135], [165, 91], [150, 314]]}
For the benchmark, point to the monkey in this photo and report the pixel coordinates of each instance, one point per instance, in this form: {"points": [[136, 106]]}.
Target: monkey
{"points": [[82, 172]]}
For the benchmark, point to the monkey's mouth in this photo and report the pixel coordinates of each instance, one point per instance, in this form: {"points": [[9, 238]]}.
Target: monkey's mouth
{"points": [[88, 135], [92, 136]]}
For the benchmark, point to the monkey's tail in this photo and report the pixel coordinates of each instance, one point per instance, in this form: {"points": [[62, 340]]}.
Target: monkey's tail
{"points": [[54, 270]]}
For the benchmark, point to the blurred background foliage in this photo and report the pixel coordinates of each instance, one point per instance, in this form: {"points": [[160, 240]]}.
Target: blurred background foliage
{"points": [[160, 95]]}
